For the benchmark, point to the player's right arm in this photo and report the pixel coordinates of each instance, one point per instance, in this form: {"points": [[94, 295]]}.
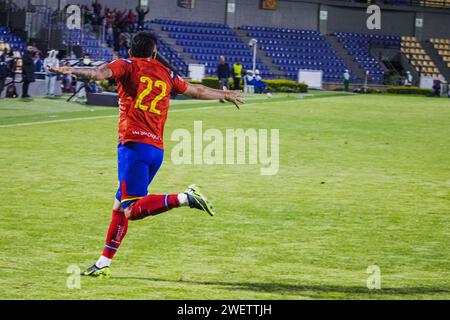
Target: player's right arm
{"points": [[198, 91], [115, 70], [100, 73]]}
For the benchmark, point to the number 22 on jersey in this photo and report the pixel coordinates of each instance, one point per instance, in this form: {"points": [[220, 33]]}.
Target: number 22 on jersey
{"points": [[149, 82]]}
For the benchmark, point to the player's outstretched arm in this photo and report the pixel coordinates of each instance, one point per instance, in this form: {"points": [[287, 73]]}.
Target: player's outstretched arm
{"points": [[198, 91], [100, 73]]}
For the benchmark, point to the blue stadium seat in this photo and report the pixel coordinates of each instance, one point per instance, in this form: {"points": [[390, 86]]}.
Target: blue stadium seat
{"points": [[206, 42]]}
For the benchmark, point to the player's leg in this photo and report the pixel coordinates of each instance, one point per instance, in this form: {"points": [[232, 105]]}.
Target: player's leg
{"points": [[154, 204], [119, 223], [137, 166], [117, 228], [146, 205]]}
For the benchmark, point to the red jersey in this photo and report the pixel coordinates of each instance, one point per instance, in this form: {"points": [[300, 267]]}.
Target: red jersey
{"points": [[144, 87]]}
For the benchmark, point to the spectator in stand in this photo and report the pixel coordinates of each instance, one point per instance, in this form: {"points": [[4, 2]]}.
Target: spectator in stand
{"points": [[38, 62], [72, 55], [141, 17], [237, 74], [109, 17], [131, 20], [97, 9], [223, 73], [67, 82], [85, 62], [120, 19], [4, 73], [28, 69], [9, 51], [88, 18]]}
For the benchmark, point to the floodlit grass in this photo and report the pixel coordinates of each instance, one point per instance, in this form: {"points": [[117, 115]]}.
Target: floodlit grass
{"points": [[363, 180]]}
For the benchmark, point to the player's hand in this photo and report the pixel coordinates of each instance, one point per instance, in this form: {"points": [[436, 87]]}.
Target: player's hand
{"points": [[235, 96], [60, 70]]}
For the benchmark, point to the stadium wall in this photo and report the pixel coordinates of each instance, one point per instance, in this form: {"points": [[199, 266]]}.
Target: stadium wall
{"points": [[205, 10], [436, 25], [289, 14], [304, 14], [354, 20]]}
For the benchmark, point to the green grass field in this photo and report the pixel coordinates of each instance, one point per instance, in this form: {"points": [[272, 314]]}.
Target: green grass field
{"points": [[363, 180]]}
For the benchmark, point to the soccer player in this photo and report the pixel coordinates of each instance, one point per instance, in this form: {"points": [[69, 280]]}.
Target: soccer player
{"points": [[144, 86]]}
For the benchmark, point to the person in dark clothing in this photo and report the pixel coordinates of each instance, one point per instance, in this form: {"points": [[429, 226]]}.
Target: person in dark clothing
{"points": [[141, 16], [437, 88], [4, 72], [28, 69], [223, 73]]}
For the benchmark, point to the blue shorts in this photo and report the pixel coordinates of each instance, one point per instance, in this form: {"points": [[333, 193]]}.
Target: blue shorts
{"points": [[137, 166]]}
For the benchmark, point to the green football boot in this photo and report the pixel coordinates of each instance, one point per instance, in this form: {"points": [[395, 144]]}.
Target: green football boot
{"points": [[198, 201], [97, 272]]}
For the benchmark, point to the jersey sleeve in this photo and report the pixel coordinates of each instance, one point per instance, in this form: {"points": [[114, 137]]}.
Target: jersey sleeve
{"points": [[179, 85], [119, 68]]}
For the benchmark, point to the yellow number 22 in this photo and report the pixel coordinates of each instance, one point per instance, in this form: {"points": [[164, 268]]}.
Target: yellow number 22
{"points": [[146, 92]]}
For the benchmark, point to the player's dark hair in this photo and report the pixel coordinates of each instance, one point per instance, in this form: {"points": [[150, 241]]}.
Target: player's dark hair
{"points": [[143, 44]]}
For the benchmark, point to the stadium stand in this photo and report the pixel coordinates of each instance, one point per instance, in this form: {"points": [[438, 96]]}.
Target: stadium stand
{"points": [[359, 45], [12, 45], [282, 51], [435, 3], [294, 49], [422, 3], [10, 40], [418, 57], [206, 42], [172, 57], [443, 48], [89, 42]]}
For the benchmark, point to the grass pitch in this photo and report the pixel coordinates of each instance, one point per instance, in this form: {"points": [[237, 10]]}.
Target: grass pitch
{"points": [[363, 180]]}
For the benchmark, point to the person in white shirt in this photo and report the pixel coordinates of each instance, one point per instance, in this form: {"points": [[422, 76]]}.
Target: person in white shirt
{"points": [[257, 75], [346, 80], [50, 77], [249, 78], [260, 86], [408, 79]]}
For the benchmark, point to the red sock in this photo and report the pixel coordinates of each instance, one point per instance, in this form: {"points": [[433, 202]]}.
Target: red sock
{"points": [[153, 204], [117, 230]]}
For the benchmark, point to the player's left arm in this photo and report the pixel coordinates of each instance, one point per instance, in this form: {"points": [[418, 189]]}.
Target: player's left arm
{"points": [[100, 73], [198, 91]]}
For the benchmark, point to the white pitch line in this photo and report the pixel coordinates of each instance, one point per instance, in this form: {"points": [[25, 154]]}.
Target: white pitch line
{"points": [[53, 121], [115, 116], [86, 118]]}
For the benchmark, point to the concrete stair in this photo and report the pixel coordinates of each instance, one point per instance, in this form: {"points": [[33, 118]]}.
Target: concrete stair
{"points": [[352, 65], [437, 59], [261, 54]]}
